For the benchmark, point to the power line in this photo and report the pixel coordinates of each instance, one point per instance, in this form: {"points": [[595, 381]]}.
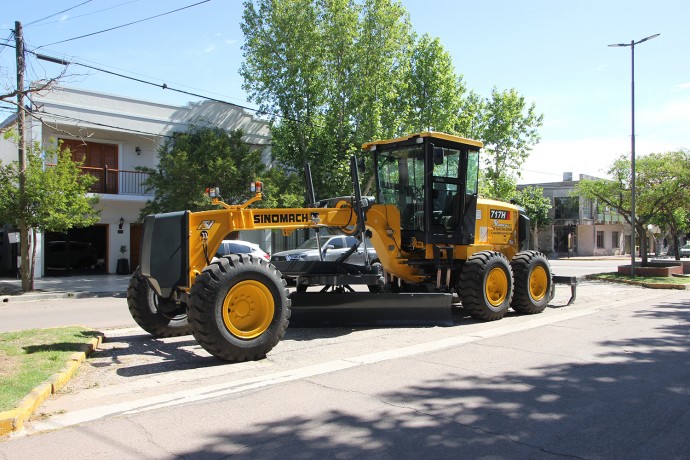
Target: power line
{"points": [[85, 14], [162, 86], [125, 25], [59, 12]]}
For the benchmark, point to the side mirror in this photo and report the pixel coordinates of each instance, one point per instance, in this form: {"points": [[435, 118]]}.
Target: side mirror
{"points": [[438, 155], [327, 247]]}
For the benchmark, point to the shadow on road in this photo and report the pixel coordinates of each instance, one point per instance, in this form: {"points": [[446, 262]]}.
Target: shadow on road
{"points": [[629, 401]]}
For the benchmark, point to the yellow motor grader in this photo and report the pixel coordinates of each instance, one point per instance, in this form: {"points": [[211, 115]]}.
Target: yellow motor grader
{"points": [[437, 242]]}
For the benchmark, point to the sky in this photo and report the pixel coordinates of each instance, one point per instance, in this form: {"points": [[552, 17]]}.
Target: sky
{"points": [[555, 53]]}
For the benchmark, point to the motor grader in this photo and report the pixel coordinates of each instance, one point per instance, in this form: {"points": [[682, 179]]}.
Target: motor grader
{"points": [[438, 245]]}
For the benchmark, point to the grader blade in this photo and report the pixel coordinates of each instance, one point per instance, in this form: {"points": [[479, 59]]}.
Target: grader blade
{"points": [[362, 307]]}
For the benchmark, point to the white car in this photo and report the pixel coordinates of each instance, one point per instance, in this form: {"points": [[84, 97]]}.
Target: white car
{"points": [[332, 247], [241, 247], [685, 251]]}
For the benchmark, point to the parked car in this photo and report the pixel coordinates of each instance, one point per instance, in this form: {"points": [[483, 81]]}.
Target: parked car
{"points": [[332, 247], [241, 247], [685, 251], [70, 254]]}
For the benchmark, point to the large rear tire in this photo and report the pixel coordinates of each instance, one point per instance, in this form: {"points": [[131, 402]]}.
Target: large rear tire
{"points": [[154, 314], [486, 285], [239, 308], [533, 282]]}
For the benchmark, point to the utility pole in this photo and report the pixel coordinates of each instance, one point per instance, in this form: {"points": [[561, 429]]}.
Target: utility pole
{"points": [[23, 229]]}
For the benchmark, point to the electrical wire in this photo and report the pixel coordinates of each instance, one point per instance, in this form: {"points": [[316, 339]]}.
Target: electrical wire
{"points": [[162, 86], [59, 12], [125, 25], [80, 15]]}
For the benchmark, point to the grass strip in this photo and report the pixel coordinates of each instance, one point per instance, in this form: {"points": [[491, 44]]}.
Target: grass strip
{"points": [[613, 276], [28, 358]]}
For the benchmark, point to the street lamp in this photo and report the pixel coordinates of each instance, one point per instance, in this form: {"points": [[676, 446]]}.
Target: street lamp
{"points": [[632, 148]]}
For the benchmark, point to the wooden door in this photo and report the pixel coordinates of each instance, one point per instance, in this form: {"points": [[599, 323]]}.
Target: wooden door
{"points": [[96, 158]]}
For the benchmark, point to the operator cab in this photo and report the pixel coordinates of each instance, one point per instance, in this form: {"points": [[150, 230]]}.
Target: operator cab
{"points": [[432, 179]]}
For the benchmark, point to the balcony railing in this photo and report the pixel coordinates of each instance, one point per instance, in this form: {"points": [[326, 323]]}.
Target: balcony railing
{"points": [[115, 181]]}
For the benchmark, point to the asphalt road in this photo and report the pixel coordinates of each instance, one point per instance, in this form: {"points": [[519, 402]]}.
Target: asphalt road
{"points": [[607, 377]]}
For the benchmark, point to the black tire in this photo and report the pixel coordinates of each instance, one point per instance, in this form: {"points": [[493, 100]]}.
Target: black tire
{"points": [[533, 282], [376, 288], [250, 286], [145, 307], [486, 285]]}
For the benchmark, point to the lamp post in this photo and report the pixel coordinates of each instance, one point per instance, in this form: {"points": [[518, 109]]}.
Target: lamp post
{"points": [[632, 148]]}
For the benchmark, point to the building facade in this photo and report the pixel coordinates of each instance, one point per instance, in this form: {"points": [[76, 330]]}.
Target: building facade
{"points": [[580, 227], [113, 135]]}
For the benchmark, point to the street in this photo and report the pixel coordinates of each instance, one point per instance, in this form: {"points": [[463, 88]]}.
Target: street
{"points": [[606, 377]]}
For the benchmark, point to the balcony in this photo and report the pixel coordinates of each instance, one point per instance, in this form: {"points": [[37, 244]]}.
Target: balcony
{"points": [[115, 181]]}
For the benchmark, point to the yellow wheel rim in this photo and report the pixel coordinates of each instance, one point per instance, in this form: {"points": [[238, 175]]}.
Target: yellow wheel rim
{"points": [[538, 283], [248, 309], [496, 288]]}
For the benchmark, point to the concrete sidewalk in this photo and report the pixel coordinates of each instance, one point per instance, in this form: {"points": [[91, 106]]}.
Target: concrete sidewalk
{"points": [[64, 287]]}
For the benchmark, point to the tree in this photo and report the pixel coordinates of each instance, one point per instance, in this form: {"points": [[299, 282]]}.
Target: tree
{"points": [[201, 157], [536, 207], [326, 71], [433, 92], [665, 179], [661, 189], [509, 130], [56, 197], [334, 74], [284, 71]]}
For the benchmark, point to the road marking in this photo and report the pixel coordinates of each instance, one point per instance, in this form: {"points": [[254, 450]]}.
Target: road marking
{"points": [[256, 383]]}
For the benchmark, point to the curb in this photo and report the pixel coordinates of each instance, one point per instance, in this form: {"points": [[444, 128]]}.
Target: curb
{"points": [[34, 296], [13, 419]]}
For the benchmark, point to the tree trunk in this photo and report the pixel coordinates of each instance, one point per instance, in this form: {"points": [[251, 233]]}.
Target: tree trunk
{"points": [[642, 233], [33, 259]]}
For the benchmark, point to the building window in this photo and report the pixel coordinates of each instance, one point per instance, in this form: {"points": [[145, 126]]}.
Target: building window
{"points": [[567, 207], [614, 240], [600, 240]]}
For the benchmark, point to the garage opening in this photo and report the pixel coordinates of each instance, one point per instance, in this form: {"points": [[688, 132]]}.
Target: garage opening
{"points": [[77, 251]]}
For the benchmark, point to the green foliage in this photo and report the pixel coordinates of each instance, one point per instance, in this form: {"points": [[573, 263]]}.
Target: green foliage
{"points": [[662, 191], [536, 205], [282, 189], [56, 197], [433, 94], [334, 74], [201, 157], [509, 130]]}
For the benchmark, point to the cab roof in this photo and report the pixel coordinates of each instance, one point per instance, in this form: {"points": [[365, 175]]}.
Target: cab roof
{"points": [[429, 134]]}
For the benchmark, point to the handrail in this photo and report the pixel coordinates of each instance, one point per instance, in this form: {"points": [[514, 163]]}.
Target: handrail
{"points": [[115, 181]]}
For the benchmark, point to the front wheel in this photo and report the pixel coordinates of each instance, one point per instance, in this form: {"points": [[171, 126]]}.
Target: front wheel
{"points": [[486, 285], [533, 282], [153, 313], [239, 308]]}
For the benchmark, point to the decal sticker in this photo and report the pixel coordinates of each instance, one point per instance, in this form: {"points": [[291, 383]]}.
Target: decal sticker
{"points": [[206, 225], [281, 218], [483, 234], [478, 214], [499, 214]]}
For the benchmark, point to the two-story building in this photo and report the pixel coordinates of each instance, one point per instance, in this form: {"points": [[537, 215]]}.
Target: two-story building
{"points": [[580, 227], [113, 135]]}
